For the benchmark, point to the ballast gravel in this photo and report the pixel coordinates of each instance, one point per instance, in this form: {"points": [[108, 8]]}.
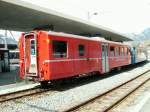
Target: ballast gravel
{"points": [[69, 98]]}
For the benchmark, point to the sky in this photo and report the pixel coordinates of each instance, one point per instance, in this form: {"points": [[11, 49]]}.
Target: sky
{"points": [[124, 16]]}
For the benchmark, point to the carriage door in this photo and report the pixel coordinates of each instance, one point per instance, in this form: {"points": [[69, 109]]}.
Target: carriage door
{"points": [[30, 55], [105, 65]]}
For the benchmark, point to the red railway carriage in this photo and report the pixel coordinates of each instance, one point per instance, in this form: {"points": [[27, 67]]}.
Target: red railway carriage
{"points": [[46, 56]]}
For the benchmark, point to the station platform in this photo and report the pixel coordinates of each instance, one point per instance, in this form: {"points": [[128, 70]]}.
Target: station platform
{"points": [[146, 106], [11, 88], [11, 82], [11, 77]]}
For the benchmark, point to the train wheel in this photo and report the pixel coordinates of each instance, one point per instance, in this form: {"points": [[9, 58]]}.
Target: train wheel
{"points": [[44, 83], [57, 82], [118, 68]]}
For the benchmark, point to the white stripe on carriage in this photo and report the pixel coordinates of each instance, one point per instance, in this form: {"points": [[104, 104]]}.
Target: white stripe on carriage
{"points": [[48, 61], [82, 59]]}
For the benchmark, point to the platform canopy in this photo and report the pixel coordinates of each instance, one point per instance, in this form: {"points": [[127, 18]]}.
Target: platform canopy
{"points": [[11, 43], [19, 15]]}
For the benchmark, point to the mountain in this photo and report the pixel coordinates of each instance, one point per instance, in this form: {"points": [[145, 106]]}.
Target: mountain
{"points": [[143, 36]]}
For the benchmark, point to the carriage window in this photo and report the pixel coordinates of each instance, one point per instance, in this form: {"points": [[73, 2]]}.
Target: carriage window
{"points": [[117, 51], [125, 51], [81, 49], [122, 51], [59, 49], [112, 51]]}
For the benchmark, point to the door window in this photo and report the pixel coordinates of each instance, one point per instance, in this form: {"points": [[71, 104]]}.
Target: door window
{"points": [[103, 50], [32, 47]]}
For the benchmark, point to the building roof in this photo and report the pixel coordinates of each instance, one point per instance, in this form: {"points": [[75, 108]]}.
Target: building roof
{"points": [[22, 16]]}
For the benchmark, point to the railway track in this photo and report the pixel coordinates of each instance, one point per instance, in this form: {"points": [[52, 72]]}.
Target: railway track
{"points": [[104, 101], [22, 93], [107, 101]]}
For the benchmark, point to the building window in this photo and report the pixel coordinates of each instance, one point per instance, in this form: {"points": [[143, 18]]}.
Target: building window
{"points": [[81, 49], [59, 49], [112, 51], [13, 55]]}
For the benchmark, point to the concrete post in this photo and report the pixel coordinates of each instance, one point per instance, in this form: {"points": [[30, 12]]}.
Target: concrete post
{"points": [[6, 47]]}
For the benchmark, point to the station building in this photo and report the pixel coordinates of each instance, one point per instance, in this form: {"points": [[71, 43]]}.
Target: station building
{"points": [[4, 53]]}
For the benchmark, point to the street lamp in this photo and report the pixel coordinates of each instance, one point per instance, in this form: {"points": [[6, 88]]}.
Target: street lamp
{"points": [[89, 15]]}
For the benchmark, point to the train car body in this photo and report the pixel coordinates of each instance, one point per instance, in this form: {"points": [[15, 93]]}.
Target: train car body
{"points": [[138, 55], [47, 56], [14, 56]]}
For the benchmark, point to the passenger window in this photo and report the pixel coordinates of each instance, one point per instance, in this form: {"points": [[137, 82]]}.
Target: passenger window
{"points": [[122, 51], [125, 51], [112, 51], [59, 49], [81, 49], [117, 52]]}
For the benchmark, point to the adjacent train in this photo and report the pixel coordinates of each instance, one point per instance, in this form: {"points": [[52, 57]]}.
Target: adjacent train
{"points": [[50, 56], [14, 56]]}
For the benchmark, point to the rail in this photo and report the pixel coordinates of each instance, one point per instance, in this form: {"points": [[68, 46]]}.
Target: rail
{"points": [[106, 101], [22, 93]]}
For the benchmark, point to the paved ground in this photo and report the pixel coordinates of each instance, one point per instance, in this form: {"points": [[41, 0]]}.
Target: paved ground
{"points": [[9, 77], [146, 107]]}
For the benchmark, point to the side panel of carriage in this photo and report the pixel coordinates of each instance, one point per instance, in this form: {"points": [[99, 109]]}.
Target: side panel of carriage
{"points": [[72, 57], [119, 55], [45, 56]]}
